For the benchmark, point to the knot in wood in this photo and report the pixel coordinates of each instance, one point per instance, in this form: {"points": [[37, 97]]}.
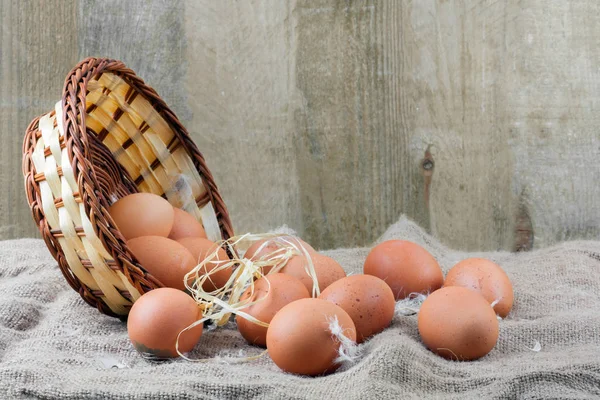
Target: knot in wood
{"points": [[427, 164]]}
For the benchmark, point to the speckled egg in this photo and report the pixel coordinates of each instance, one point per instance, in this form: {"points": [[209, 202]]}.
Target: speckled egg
{"points": [[405, 266], [300, 340], [367, 299], [486, 278]]}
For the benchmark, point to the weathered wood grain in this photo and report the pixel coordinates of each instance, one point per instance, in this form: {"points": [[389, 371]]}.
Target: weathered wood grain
{"points": [[242, 95], [148, 36], [355, 166], [477, 119], [36, 51], [553, 116], [459, 78], [455, 57]]}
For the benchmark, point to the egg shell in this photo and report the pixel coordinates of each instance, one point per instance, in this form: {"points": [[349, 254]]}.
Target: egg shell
{"points": [[486, 278], [256, 252], [327, 269], [165, 259], [283, 289], [156, 319], [405, 266], [458, 323], [367, 299], [142, 214], [200, 248], [299, 338], [185, 225]]}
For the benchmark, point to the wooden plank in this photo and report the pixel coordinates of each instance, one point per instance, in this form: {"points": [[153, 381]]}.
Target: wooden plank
{"points": [[355, 172], [553, 114], [456, 72], [38, 45], [241, 90], [457, 79], [476, 119], [506, 94], [147, 36], [383, 82]]}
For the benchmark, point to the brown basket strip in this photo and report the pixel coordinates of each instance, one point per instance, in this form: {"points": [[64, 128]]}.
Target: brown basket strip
{"points": [[142, 142], [111, 135]]}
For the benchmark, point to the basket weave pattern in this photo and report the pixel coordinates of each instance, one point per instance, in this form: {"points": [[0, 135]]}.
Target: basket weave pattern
{"points": [[110, 135]]}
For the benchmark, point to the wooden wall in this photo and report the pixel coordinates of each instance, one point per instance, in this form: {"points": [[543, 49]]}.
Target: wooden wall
{"points": [[477, 119]]}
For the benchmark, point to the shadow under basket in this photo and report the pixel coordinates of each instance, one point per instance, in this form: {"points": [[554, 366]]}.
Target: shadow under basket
{"points": [[111, 135]]}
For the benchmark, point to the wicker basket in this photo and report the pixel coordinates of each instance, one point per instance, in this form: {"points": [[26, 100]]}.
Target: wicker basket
{"points": [[109, 136]]}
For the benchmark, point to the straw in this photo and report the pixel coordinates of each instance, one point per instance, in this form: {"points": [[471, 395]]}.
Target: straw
{"points": [[219, 305]]}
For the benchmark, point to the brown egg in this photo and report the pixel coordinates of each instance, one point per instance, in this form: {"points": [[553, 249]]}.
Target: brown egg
{"points": [[367, 299], [283, 290], [200, 249], [326, 268], [185, 225], [142, 214], [405, 266], [273, 245], [486, 278], [156, 319], [458, 323], [165, 259], [299, 338]]}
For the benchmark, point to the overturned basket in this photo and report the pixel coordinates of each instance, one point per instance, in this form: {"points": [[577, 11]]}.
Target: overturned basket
{"points": [[110, 136]]}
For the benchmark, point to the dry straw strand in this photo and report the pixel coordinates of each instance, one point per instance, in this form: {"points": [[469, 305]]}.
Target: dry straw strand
{"points": [[219, 305]]}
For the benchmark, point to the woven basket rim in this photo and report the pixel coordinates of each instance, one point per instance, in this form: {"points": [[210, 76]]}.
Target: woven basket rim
{"points": [[77, 140]]}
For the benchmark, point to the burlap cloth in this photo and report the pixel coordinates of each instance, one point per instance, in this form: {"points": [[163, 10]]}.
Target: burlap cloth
{"points": [[52, 345]]}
